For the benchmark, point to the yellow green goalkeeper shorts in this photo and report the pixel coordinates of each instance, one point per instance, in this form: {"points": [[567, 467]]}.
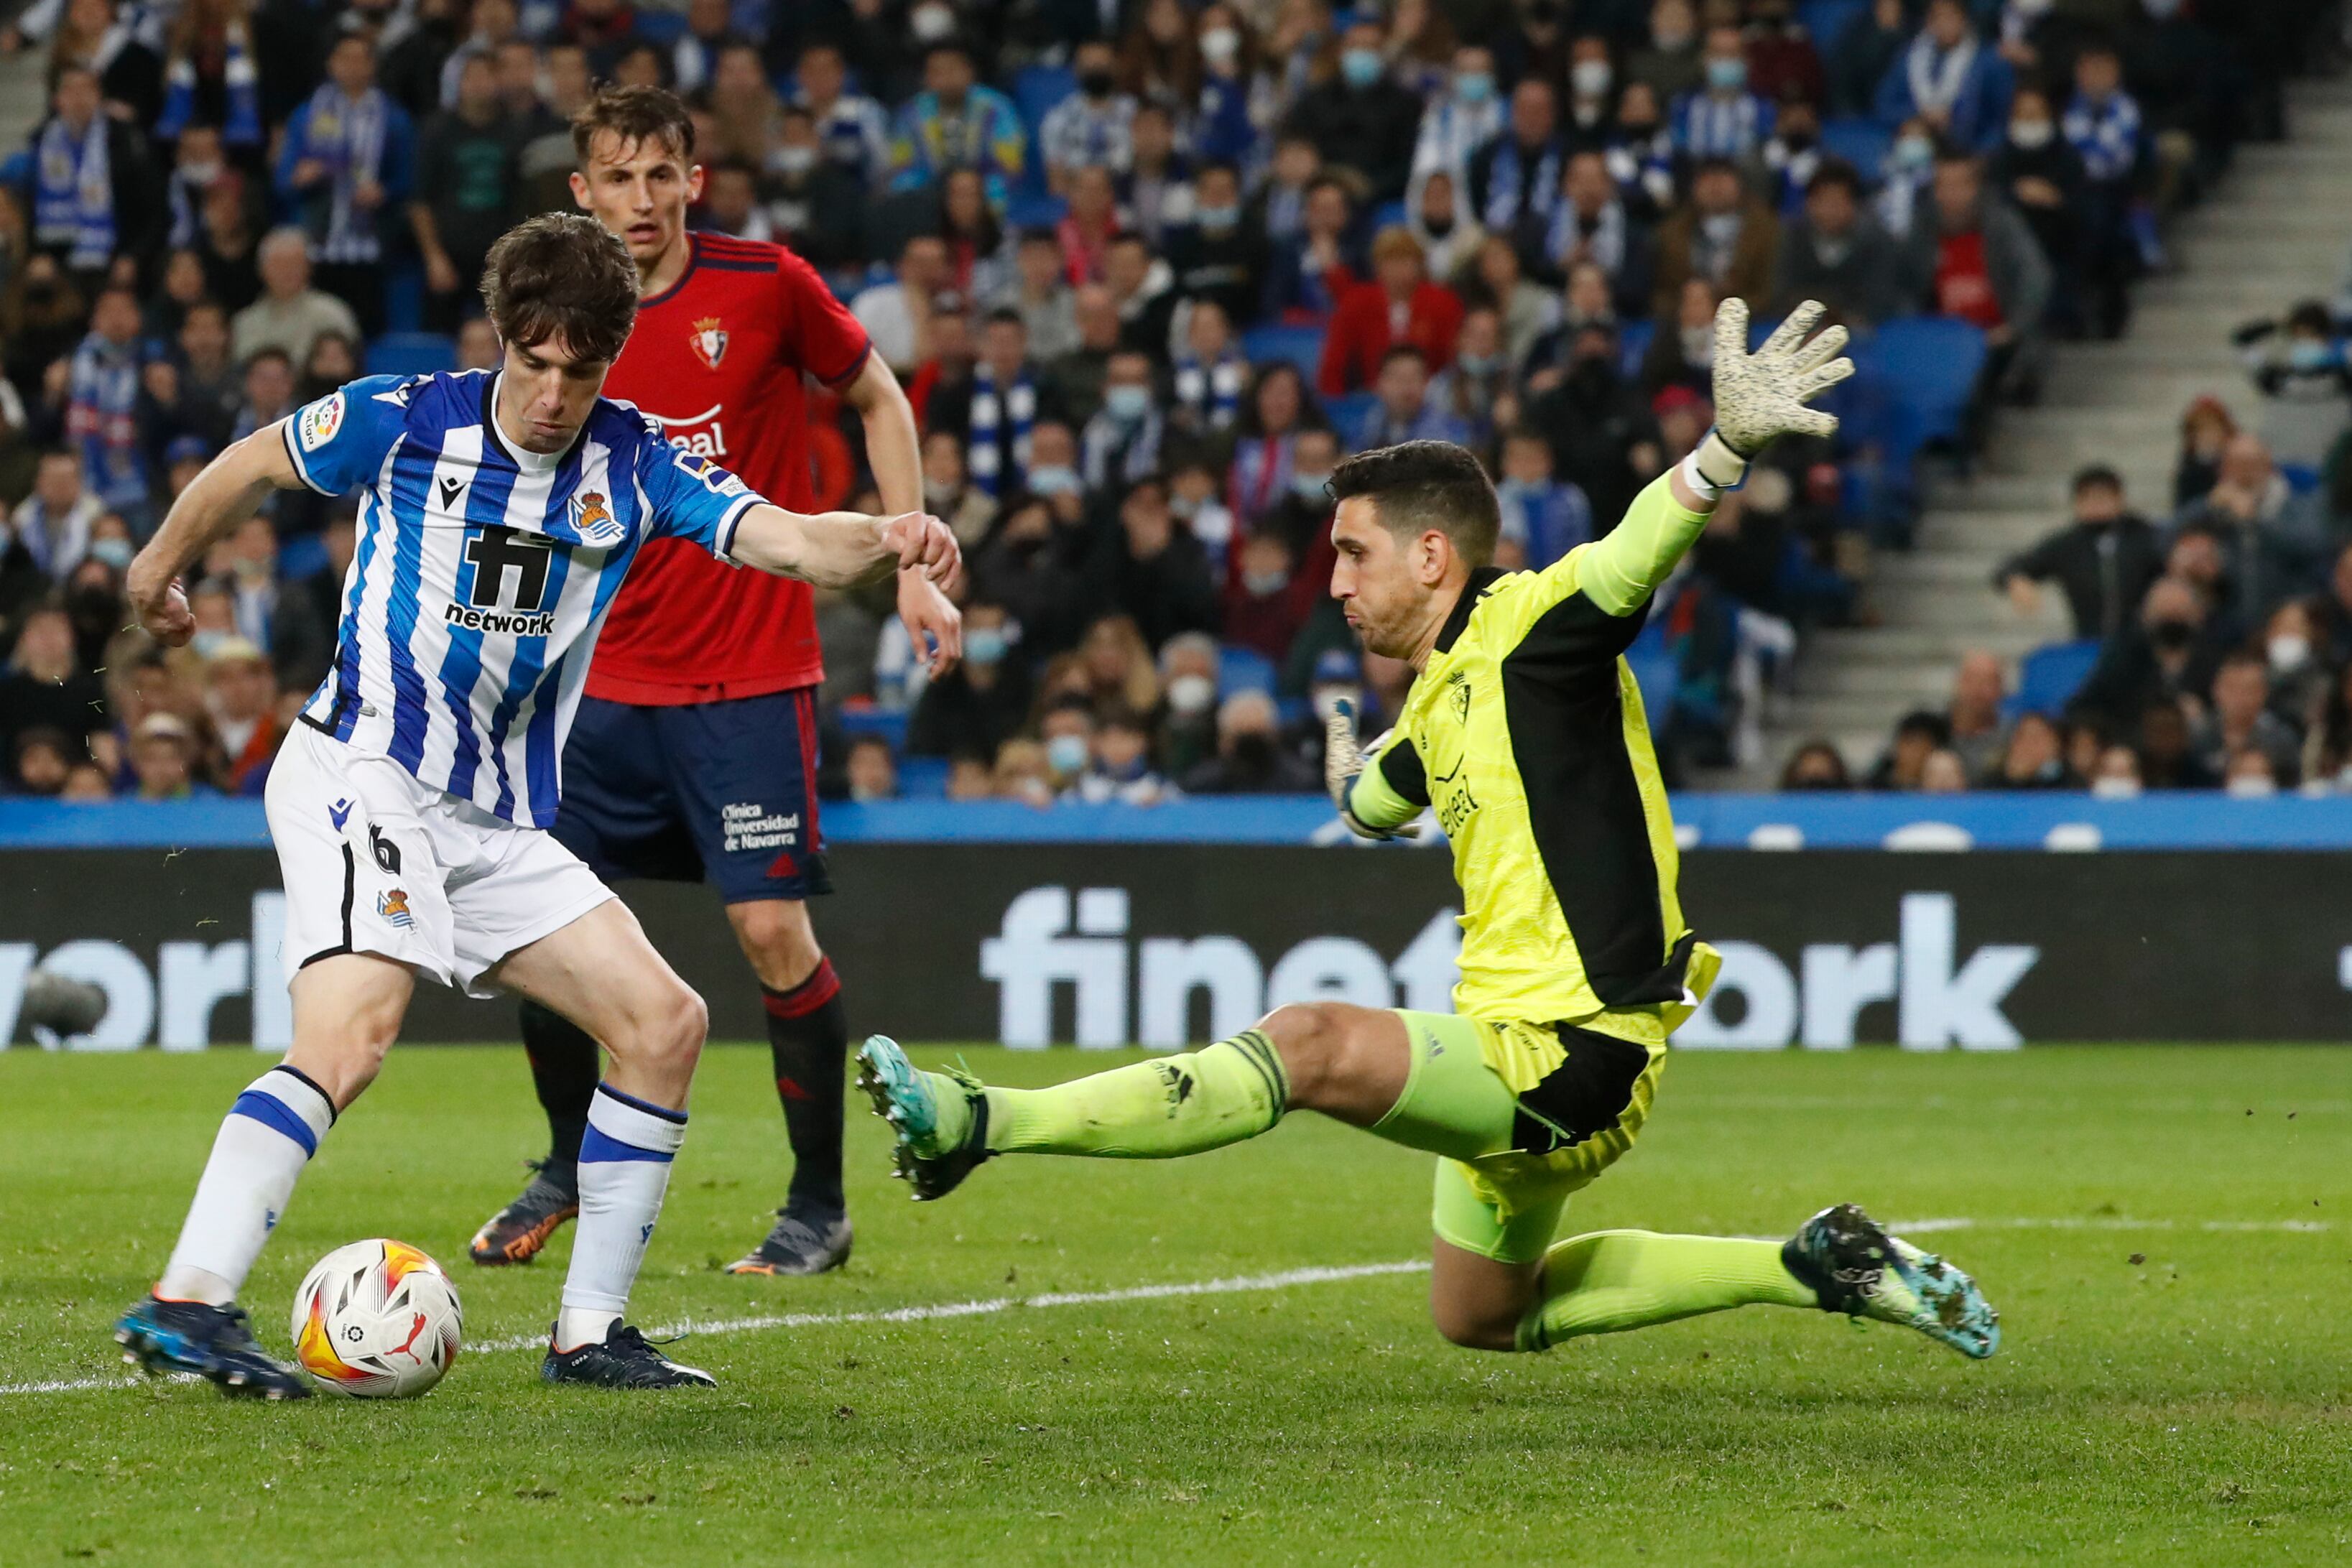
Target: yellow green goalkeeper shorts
{"points": [[1577, 1097]]}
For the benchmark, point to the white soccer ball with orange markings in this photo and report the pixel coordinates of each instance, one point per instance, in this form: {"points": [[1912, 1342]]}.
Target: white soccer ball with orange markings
{"points": [[377, 1319]]}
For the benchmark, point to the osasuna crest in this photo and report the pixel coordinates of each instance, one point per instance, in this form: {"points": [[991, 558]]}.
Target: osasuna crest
{"points": [[710, 341]]}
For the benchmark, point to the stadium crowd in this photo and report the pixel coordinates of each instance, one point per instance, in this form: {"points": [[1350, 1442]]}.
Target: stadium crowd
{"points": [[1148, 270]]}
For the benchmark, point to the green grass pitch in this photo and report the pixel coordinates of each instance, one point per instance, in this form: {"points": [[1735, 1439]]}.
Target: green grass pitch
{"points": [[2164, 1229]]}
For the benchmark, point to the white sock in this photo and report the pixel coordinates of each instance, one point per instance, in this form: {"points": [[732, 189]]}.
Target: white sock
{"points": [[267, 1138], [624, 1163]]}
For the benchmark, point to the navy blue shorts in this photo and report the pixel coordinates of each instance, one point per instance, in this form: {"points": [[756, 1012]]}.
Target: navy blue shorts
{"points": [[722, 791]]}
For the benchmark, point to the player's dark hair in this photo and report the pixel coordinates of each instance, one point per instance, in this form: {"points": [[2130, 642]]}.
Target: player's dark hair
{"points": [[1424, 485], [561, 275], [2098, 475], [635, 115]]}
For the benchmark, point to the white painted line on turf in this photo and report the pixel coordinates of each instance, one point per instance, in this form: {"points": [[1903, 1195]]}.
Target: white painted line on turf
{"points": [[1235, 1285], [984, 1307]]}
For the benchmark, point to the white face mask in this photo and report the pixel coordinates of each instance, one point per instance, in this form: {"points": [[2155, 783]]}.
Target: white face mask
{"points": [[796, 161], [1066, 754], [1590, 77], [2251, 786], [1219, 46], [2031, 134], [1192, 694], [2114, 787], [2289, 651], [930, 22]]}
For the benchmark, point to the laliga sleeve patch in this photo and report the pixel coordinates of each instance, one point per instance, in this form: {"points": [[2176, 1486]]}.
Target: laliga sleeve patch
{"points": [[318, 422]]}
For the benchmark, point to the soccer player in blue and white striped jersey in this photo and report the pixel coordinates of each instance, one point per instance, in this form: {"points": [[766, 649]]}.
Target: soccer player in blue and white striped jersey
{"points": [[498, 514]]}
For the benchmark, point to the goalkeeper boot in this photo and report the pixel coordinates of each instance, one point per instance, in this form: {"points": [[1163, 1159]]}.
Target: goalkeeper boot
{"points": [[804, 1242], [213, 1343], [517, 1232], [622, 1359], [940, 1118], [1857, 1268]]}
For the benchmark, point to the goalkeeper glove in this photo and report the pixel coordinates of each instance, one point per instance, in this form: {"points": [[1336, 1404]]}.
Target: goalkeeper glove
{"points": [[1760, 397], [1343, 762]]}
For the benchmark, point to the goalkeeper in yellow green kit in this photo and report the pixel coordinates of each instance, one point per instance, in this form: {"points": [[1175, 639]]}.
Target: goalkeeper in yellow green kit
{"points": [[1524, 731]]}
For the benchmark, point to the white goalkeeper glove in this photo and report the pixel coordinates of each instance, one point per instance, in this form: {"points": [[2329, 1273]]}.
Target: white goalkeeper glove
{"points": [[1343, 761], [1760, 397]]}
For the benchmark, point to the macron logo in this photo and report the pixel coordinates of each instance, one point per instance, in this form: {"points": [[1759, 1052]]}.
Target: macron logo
{"points": [[339, 813]]}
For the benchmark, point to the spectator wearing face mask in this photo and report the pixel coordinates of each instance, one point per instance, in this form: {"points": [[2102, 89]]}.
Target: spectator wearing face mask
{"points": [[1261, 613], [2043, 175], [52, 526], [1251, 759], [1668, 64], [2290, 646], [1462, 119], [2103, 560], [983, 701], [1214, 257], [1361, 119], [2300, 369], [1589, 115], [1190, 665], [2168, 656], [1093, 128], [1120, 445], [1723, 118], [1193, 500], [1303, 512]]}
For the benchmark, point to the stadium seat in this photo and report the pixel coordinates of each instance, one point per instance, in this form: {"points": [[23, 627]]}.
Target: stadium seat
{"points": [[658, 26], [1634, 346], [1387, 216], [1929, 366], [2301, 478], [890, 724], [1025, 210], [2048, 677], [1038, 89], [1348, 414], [403, 295], [1302, 346], [1241, 669], [1861, 142], [411, 354], [1825, 20], [923, 778]]}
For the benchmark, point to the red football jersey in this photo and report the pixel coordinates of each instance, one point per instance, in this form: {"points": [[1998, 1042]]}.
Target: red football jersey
{"points": [[717, 357]]}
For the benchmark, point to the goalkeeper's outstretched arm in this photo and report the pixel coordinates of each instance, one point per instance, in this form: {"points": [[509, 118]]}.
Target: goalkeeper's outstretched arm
{"points": [[1759, 398]]}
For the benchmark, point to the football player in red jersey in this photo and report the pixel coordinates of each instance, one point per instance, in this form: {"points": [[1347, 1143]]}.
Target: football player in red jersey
{"points": [[694, 754]]}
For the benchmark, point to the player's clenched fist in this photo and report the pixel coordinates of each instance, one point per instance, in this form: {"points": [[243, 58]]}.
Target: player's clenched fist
{"points": [[923, 543], [161, 605]]}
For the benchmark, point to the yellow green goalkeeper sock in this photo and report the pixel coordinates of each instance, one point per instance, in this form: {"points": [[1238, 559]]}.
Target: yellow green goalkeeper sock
{"points": [[1155, 1110], [1615, 1280]]}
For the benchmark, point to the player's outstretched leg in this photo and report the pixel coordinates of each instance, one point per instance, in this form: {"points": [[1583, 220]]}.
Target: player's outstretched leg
{"points": [[347, 1011], [564, 1068], [601, 972], [808, 1044], [1350, 1062]]}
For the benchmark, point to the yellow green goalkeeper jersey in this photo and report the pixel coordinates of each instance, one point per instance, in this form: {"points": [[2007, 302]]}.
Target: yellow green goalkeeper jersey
{"points": [[1525, 731]]}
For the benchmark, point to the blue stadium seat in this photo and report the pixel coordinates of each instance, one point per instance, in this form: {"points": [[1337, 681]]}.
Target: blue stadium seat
{"points": [[404, 294], [1034, 210], [411, 354], [1634, 346], [658, 26], [1654, 670], [1928, 365], [1387, 214], [923, 778], [1348, 414], [2048, 677], [1241, 669], [890, 724], [1038, 89], [2301, 478], [1861, 142], [1302, 346]]}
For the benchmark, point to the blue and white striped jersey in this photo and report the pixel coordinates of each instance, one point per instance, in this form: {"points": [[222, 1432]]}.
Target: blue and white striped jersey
{"points": [[481, 575]]}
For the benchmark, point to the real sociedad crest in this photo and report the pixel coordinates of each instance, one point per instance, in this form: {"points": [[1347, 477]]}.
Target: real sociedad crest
{"points": [[710, 341]]}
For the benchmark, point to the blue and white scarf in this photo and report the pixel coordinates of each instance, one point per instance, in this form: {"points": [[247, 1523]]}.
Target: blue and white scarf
{"points": [[1285, 212], [1607, 239], [1504, 184], [348, 136], [1213, 392], [73, 194], [1937, 77], [57, 541], [102, 419], [240, 82], [1644, 167], [1711, 126], [1452, 130], [993, 413], [2104, 135]]}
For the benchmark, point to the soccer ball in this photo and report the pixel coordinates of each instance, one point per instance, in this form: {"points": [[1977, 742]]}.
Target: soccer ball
{"points": [[378, 1320]]}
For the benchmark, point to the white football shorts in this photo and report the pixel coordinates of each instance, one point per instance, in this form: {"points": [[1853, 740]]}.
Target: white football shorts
{"points": [[376, 861]]}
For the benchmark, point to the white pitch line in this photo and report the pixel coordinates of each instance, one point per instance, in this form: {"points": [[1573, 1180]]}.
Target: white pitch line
{"points": [[1237, 1285]]}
